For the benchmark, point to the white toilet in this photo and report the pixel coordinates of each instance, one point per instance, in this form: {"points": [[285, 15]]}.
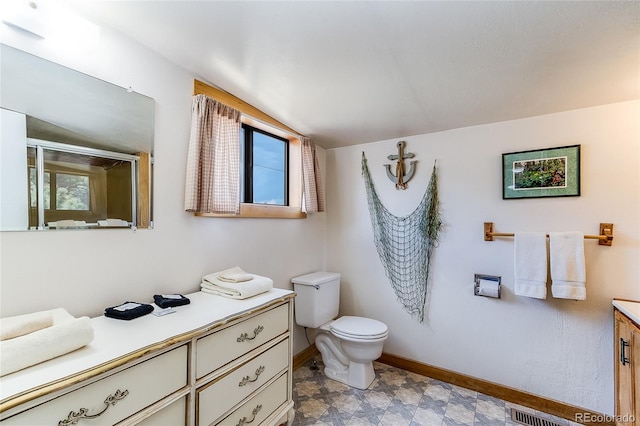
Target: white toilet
{"points": [[348, 344]]}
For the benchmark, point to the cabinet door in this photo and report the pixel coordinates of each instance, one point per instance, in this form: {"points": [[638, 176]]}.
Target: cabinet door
{"points": [[624, 382]]}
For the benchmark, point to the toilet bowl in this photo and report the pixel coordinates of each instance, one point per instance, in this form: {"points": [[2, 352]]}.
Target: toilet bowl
{"points": [[348, 344]]}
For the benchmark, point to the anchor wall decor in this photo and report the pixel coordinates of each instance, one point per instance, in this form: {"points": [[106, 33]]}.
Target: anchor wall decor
{"points": [[401, 178]]}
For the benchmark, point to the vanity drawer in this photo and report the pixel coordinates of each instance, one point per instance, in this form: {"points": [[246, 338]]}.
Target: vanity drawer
{"points": [[219, 348], [260, 406], [171, 415], [218, 396], [116, 397]]}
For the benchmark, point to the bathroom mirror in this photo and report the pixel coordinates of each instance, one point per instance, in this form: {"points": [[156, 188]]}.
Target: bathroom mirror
{"points": [[75, 151]]}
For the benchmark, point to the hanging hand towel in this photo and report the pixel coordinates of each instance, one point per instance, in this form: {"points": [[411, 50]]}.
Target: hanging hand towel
{"points": [[568, 272], [530, 264]]}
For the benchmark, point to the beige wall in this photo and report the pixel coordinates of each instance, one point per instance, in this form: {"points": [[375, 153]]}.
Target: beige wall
{"points": [[556, 348], [85, 271]]}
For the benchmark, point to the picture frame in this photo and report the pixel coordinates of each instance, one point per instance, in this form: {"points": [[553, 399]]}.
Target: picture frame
{"points": [[549, 172]]}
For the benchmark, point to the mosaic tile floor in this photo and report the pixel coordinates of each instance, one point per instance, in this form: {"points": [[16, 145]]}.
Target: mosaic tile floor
{"points": [[396, 398]]}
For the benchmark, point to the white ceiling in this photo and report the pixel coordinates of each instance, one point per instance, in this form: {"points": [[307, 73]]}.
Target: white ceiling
{"points": [[348, 72]]}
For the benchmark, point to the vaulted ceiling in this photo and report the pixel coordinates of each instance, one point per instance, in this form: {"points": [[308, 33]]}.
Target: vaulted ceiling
{"points": [[351, 72]]}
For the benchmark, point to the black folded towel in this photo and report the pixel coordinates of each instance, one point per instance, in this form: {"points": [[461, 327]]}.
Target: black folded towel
{"points": [[170, 300], [128, 310]]}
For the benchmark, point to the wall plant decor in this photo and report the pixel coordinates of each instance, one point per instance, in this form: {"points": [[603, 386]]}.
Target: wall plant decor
{"points": [[550, 172]]}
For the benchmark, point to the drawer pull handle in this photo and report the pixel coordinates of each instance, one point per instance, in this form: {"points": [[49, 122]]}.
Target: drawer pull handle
{"points": [[245, 336], [623, 349], [74, 417], [245, 380], [244, 421]]}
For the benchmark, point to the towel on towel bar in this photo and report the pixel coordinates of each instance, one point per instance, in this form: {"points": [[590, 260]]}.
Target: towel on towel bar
{"points": [[20, 325], [241, 290], [568, 272], [65, 335], [530, 264]]}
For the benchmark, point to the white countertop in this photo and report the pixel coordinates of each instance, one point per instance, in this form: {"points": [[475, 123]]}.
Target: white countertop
{"points": [[630, 309], [114, 339]]}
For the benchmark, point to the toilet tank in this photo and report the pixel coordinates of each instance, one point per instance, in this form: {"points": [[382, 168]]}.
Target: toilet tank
{"points": [[317, 298]]}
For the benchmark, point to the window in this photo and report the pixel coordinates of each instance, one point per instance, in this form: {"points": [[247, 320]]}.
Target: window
{"points": [[70, 191], [80, 184], [288, 195], [264, 176]]}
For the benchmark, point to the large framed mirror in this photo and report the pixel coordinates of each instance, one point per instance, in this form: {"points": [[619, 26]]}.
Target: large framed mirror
{"points": [[76, 152]]}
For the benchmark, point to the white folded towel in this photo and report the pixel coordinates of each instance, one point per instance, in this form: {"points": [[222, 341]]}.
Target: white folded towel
{"points": [[240, 290], [530, 264], [20, 325], [65, 335], [62, 223], [234, 275], [113, 222], [568, 272], [67, 224]]}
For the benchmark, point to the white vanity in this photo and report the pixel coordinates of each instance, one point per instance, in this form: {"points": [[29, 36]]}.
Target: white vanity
{"points": [[215, 361]]}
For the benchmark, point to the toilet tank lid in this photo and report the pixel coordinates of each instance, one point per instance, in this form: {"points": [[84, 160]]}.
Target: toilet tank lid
{"points": [[316, 278]]}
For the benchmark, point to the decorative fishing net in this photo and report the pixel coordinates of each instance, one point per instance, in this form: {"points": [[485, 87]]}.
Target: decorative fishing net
{"points": [[405, 244]]}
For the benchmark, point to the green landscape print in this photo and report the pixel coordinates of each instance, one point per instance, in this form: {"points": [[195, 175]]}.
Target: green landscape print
{"points": [[540, 174]]}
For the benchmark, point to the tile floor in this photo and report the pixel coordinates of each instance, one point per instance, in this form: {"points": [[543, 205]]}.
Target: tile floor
{"points": [[396, 398]]}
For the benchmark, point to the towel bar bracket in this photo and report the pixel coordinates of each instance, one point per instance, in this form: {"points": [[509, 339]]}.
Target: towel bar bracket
{"points": [[488, 231], [606, 230], [605, 237]]}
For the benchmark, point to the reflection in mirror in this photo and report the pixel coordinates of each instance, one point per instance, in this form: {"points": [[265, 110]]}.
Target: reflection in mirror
{"points": [[75, 151]]}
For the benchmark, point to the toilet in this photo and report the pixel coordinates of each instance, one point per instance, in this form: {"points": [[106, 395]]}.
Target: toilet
{"points": [[348, 344]]}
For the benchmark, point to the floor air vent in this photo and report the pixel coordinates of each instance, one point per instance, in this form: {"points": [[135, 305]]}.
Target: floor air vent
{"points": [[530, 419]]}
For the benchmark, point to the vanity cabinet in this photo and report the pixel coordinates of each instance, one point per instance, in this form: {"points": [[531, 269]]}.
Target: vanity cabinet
{"points": [[115, 397], [216, 361], [627, 362]]}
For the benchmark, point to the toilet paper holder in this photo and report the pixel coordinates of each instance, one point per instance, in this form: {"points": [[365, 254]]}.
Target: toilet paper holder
{"points": [[493, 279]]}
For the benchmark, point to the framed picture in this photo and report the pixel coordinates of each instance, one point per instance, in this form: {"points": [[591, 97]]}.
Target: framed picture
{"points": [[550, 172]]}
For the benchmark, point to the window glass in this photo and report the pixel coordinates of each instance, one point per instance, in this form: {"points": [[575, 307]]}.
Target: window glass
{"points": [[33, 189], [72, 192], [269, 176], [265, 176]]}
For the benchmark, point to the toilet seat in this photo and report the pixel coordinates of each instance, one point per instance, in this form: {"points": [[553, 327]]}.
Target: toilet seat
{"points": [[359, 329]]}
